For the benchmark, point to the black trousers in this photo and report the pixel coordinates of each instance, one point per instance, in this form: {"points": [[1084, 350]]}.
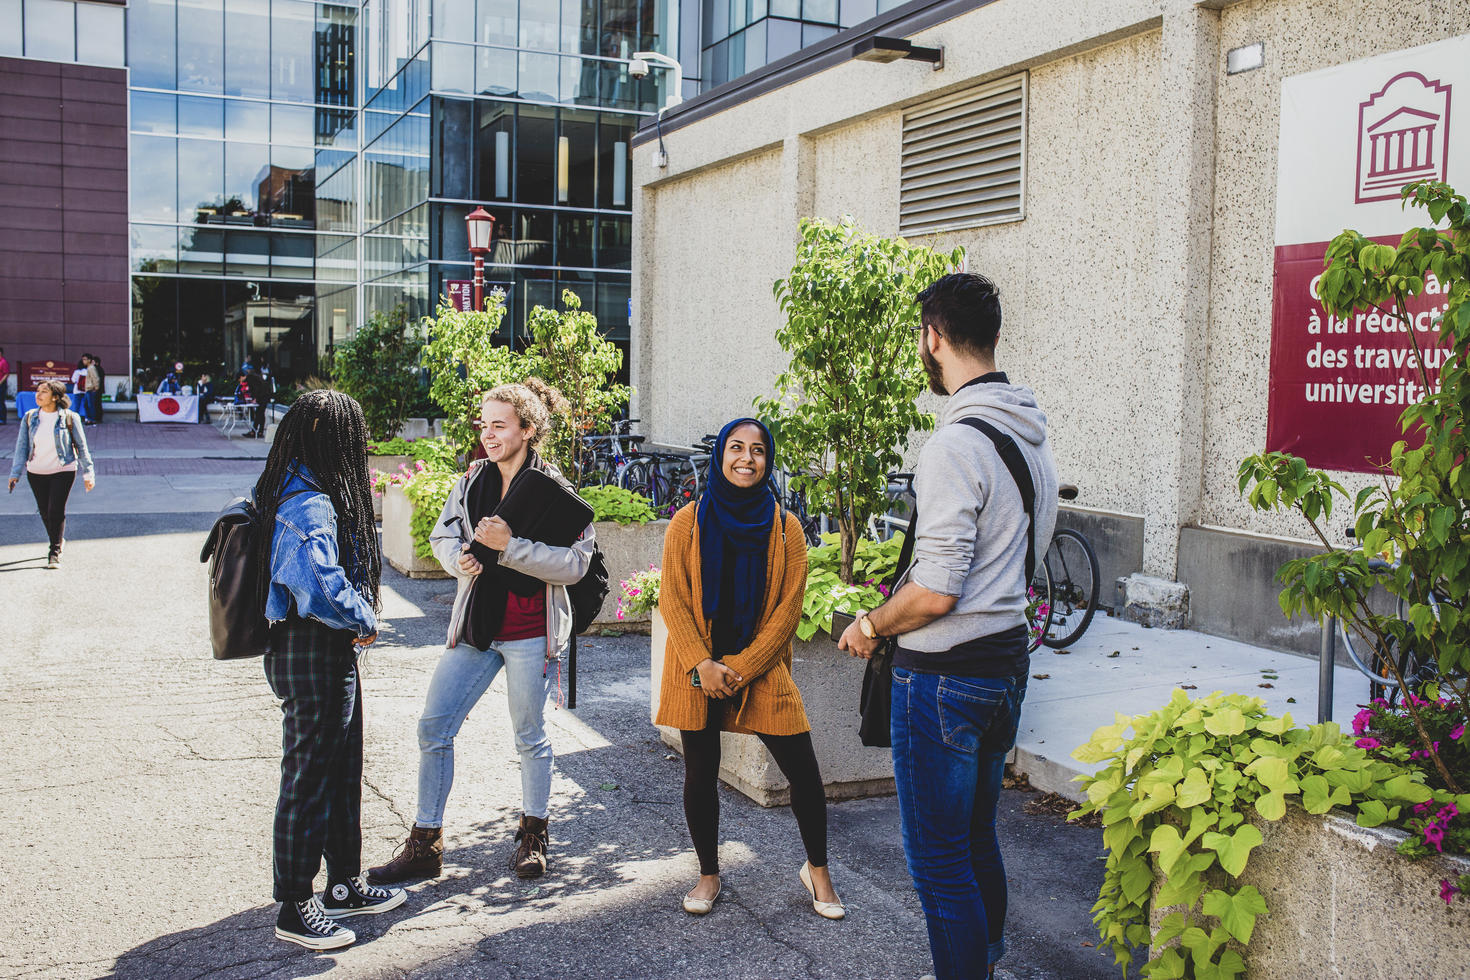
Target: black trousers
{"points": [[51, 491], [798, 762], [258, 416], [313, 670]]}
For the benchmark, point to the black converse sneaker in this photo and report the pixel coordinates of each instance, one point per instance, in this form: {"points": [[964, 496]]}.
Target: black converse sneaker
{"points": [[306, 924], [344, 899]]}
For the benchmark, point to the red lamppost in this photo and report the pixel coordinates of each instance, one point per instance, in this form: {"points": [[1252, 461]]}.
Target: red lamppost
{"points": [[480, 225]]}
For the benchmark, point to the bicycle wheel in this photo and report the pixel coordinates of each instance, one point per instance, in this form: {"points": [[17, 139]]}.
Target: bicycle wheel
{"points": [[635, 478], [1072, 565], [1038, 608]]}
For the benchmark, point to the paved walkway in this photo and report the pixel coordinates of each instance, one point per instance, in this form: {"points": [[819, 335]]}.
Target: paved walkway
{"points": [[139, 778], [157, 468]]}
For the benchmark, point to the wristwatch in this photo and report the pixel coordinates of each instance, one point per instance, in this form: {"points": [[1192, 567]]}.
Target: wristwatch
{"points": [[866, 625]]}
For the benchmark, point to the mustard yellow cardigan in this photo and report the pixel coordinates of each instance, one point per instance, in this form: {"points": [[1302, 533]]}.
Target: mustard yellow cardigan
{"points": [[768, 701]]}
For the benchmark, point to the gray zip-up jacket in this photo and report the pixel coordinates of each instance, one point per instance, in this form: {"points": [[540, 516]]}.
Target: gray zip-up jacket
{"points": [[557, 567], [971, 539]]}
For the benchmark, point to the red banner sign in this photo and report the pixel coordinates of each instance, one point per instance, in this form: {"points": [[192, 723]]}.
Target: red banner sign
{"points": [[1338, 386], [34, 372], [461, 293]]}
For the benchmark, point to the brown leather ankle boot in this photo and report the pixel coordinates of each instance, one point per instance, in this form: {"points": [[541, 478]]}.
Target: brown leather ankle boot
{"points": [[421, 856], [530, 859]]}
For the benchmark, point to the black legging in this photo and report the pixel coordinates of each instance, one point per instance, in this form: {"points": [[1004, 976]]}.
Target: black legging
{"points": [[798, 762], [51, 491]]}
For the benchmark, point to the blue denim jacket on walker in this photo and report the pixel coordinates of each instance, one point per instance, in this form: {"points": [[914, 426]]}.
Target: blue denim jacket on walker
{"points": [[71, 442], [305, 567]]}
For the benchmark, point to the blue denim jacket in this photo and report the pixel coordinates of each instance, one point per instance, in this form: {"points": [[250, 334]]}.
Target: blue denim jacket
{"points": [[305, 570], [71, 442]]}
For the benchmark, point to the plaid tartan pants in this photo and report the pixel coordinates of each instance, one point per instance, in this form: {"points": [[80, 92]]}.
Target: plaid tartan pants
{"points": [[313, 670]]}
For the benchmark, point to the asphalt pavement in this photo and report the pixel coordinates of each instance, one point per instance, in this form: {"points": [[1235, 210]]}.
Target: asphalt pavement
{"points": [[140, 778]]}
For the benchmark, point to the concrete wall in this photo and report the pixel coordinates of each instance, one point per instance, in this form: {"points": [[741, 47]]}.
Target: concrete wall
{"points": [[1136, 290]]}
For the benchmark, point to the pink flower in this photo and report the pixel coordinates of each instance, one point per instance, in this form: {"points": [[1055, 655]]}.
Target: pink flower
{"points": [[1361, 720], [1368, 743], [1458, 732], [1434, 834], [633, 592], [1421, 808], [620, 611], [1446, 890], [1449, 812]]}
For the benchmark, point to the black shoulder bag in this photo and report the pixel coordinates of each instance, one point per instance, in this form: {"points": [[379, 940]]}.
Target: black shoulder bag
{"points": [[876, 704]]}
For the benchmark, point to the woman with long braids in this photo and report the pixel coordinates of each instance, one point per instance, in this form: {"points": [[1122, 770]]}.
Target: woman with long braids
{"points": [[511, 611], [318, 583], [734, 574]]}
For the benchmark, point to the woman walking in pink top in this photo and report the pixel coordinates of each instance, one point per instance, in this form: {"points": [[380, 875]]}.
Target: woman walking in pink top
{"points": [[51, 446]]}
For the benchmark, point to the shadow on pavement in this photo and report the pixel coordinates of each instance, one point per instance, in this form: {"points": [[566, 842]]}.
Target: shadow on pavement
{"points": [[246, 942]]}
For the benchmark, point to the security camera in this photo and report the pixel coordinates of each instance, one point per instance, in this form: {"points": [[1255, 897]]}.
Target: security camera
{"points": [[638, 68]]}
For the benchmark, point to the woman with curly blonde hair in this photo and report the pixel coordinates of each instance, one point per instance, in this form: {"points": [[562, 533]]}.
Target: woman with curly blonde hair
{"points": [[511, 612]]}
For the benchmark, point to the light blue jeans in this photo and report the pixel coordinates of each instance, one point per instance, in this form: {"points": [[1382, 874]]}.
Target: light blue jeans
{"points": [[462, 677]]}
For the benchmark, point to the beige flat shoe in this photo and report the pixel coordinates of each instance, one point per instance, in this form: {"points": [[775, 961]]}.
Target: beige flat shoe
{"points": [[701, 906], [827, 910]]}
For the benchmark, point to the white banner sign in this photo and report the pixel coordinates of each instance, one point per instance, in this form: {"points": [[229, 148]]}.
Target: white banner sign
{"points": [[168, 408]]}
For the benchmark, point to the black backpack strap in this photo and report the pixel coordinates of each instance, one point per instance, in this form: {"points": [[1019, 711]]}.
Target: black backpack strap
{"points": [[1010, 454]]}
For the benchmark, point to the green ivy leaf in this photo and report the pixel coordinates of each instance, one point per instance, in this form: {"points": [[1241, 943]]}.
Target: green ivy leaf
{"points": [[1234, 849], [1237, 912]]}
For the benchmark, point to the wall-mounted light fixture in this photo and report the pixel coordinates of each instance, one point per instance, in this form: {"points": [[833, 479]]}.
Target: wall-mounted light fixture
{"points": [[1246, 58], [502, 164], [563, 168], [887, 49]]}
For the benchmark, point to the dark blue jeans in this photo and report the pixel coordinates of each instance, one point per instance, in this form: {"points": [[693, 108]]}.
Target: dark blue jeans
{"points": [[950, 740]]}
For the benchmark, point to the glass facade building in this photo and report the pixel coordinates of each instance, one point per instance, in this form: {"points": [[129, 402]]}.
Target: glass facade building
{"points": [[294, 166]]}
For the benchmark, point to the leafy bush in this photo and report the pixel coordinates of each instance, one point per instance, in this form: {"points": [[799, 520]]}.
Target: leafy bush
{"points": [[1419, 518], [639, 594], [845, 405], [569, 352], [378, 365], [437, 453], [427, 491], [1174, 797], [618, 505], [464, 362], [873, 563]]}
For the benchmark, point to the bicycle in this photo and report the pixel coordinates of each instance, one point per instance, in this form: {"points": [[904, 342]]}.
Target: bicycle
{"points": [[1071, 567], [1414, 670], [604, 460]]}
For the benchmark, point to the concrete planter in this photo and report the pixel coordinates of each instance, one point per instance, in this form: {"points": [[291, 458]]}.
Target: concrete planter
{"points": [[628, 549], [830, 683], [387, 464], [398, 538], [1344, 904]]}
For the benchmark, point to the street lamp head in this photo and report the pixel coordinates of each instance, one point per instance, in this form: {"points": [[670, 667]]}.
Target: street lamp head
{"points": [[479, 224]]}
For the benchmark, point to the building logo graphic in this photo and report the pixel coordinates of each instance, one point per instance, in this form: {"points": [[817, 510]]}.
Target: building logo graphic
{"points": [[1403, 136]]}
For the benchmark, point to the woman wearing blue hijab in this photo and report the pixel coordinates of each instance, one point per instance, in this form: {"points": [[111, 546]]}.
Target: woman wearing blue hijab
{"points": [[734, 574]]}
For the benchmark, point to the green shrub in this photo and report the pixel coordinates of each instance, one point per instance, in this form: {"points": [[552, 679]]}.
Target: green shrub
{"points": [[618, 505], [1174, 797], [873, 563], [378, 365], [427, 492], [639, 594]]}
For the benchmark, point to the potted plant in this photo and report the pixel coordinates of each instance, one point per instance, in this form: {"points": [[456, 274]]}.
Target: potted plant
{"points": [[632, 539]]}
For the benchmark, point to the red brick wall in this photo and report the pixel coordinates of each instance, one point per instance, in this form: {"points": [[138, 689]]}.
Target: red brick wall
{"points": [[64, 213]]}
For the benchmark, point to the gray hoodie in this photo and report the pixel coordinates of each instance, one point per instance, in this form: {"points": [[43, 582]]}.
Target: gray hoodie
{"points": [[972, 529]]}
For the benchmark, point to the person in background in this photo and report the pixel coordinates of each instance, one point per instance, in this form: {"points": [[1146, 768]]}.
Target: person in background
{"points": [[51, 447], [172, 383], [262, 390], [318, 583], [96, 384], [205, 387], [4, 383], [79, 389], [734, 574]]}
